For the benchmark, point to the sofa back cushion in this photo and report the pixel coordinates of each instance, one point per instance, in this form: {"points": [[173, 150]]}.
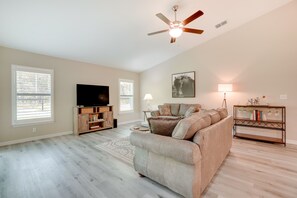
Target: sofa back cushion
{"points": [[187, 127], [214, 115], [163, 125], [174, 108], [184, 107], [223, 112], [164, 110]]}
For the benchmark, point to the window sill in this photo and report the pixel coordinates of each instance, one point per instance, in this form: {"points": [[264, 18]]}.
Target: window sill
{"points": [[126, 112], [15, 125]]}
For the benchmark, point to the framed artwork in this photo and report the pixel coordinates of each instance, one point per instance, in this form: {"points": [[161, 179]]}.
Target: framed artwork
{"points": [[183, 85]]}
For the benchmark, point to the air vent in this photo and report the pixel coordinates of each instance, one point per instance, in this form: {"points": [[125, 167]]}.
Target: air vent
{"points": [[221, 24]]}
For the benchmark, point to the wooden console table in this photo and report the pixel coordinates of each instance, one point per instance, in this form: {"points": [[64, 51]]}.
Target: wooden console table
{"points": [[265, 117]]}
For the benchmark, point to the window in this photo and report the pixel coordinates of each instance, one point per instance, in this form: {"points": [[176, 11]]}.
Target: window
{"points": [[32, 95], [126, 95]]}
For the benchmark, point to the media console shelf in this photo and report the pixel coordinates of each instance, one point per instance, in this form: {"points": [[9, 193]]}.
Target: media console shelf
{"points": [[95, 118], [264, 117]]}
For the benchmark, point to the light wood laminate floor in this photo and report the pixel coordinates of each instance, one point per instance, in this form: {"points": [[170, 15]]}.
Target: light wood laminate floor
{"points": [[71, 166]]}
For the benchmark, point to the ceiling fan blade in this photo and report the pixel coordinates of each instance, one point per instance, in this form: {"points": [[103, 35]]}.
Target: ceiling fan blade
{"points": [[193, 17], [161, 31], [172, 40], [163, 18], [195, 31]]}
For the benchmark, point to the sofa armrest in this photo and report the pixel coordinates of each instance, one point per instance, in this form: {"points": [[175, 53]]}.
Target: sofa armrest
{"points": [[218, 134], [180, 150], [214, 142]]}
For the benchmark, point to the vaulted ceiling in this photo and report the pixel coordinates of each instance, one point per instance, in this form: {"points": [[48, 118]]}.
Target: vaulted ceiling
{"points": [[114, 33]]}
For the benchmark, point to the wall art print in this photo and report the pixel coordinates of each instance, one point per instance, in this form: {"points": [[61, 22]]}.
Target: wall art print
{"points": [[183, 85]]}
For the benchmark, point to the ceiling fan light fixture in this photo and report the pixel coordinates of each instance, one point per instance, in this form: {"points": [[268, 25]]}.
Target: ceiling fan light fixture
{"points": [[175, 32], [176, 29]]}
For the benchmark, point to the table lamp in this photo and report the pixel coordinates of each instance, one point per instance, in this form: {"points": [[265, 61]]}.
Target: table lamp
{"points": [[148, 98]]}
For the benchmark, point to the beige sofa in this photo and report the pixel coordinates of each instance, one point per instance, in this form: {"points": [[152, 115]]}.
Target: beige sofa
{"points": [[182, 162]]}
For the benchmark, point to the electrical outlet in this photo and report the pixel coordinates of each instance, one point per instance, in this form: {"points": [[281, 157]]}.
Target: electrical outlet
{"points": [[283, 97], [34, 130]]}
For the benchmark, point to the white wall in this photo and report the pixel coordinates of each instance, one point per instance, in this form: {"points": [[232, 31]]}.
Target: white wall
{"points": [[67, 74], [259, 58]]}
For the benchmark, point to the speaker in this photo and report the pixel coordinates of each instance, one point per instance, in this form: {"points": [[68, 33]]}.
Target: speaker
{"points": [[115, 123]]}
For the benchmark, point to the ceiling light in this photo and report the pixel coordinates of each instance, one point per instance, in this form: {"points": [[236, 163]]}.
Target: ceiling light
{"points": [[175, 32], [176, 29]]}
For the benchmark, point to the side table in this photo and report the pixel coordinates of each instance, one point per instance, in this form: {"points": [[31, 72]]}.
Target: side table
{"points": [[146, 116]]}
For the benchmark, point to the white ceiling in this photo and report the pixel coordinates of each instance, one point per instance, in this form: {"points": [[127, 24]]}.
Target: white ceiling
{"points": [[114, 33]]}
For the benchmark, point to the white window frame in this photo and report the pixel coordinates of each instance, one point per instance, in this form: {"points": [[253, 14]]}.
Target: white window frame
{"points": [[15, 122], [133, 95]]}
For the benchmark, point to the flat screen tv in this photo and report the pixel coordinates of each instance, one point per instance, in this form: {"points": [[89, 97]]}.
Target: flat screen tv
{"points": [[92, 95]]}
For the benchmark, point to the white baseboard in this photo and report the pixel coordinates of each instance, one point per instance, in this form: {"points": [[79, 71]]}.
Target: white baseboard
{"points": [[131, 121], [292, 142], [35, 138]]}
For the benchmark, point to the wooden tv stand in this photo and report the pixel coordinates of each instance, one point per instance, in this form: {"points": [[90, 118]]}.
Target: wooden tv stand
{"points": [[95, 118]]}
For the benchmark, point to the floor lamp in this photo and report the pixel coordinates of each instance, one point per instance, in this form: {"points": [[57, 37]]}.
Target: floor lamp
{"points": [[224, 88]]}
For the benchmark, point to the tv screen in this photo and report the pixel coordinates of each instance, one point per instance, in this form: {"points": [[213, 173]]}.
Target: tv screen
{"points": [[92, 95]]}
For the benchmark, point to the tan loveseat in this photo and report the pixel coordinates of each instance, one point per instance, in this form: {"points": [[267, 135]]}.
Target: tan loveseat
{"points": [[187, 160]]}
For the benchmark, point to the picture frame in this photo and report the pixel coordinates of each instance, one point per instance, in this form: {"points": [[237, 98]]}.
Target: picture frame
{"points": [[183, 85]]}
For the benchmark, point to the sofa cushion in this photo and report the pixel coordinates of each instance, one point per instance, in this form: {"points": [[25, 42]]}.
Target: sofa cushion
{"points": [[184, 107], [164, 110], [163, 125], [223, 112], [173, 117], [174, 108], [187, 127]]}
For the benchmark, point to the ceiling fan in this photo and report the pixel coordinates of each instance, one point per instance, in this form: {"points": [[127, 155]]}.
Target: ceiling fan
{"points": [[176, 28]]}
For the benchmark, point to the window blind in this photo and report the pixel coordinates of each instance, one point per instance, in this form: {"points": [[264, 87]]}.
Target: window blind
{"points": [[32, 95], [126, 95]]}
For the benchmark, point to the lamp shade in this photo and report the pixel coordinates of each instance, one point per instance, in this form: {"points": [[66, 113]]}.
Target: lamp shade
{"points": [[225, 87], [148, 97]]}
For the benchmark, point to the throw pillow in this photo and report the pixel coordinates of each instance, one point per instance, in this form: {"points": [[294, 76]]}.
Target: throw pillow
{"points": [[164, 110], [163, 126], [187, 127], [184, 107], [190, 111], [155, 113]]}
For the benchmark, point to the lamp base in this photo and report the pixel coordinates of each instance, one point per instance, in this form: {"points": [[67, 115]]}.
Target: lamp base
{"points": [[149, 107], [224, 103]]}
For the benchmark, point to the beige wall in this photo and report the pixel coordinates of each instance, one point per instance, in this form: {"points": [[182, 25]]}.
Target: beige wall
{"points": [[67, 74], [259, 58]]}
